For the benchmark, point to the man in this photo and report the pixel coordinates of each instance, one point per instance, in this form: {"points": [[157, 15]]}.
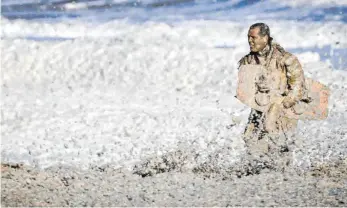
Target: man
{"points": [[289, 83], [282, 80]]}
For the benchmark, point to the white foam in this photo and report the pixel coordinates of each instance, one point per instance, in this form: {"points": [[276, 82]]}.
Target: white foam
{"points": [[120, 92], [320, 3]]}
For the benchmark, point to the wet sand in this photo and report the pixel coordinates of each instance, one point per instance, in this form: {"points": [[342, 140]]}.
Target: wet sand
{"points": [[106, 186]]}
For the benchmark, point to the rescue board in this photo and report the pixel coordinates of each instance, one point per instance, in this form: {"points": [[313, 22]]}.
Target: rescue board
{"points": [[315, 108]]}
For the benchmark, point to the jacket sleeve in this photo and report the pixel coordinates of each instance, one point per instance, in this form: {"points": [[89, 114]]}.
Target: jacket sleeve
{"points": [[295, 77]]}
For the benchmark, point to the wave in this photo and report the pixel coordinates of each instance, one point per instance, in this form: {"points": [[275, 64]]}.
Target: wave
{"points": [[173, 10]]}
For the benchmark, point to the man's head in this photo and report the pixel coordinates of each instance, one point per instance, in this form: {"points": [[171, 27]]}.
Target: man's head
{"points": [[258, 37]]}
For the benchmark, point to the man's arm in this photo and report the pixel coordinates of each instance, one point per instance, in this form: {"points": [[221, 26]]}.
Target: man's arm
{"points": [[295, 80]]}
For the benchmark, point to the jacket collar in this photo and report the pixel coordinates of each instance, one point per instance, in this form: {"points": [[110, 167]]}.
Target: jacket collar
{"points": [[265, 52]]}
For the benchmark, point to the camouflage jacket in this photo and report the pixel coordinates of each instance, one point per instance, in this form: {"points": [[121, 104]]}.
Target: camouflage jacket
{"points": [[290, 79]]}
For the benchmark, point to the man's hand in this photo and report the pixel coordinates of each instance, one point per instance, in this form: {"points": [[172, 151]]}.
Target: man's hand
{"points": [[288, 102]]}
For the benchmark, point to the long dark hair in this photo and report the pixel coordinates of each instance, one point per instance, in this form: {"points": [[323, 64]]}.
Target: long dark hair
{"points": [[263, 30]]}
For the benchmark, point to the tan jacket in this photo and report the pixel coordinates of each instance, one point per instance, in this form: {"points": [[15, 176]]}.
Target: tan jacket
{"points": [[286, 74]]}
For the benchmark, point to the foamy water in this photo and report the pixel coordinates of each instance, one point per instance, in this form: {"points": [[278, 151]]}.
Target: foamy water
{"points": [[117, 92]]}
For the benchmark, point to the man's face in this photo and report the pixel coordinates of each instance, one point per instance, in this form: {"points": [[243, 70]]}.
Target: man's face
{"points": [[256, 42]]}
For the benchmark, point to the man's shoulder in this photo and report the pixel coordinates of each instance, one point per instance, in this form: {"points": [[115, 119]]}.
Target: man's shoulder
{"points": [[289, 59], [244, 60], [285, 57]]}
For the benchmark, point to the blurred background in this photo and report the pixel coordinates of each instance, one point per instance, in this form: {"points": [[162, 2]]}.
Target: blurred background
{"points": [[175, 11]]}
